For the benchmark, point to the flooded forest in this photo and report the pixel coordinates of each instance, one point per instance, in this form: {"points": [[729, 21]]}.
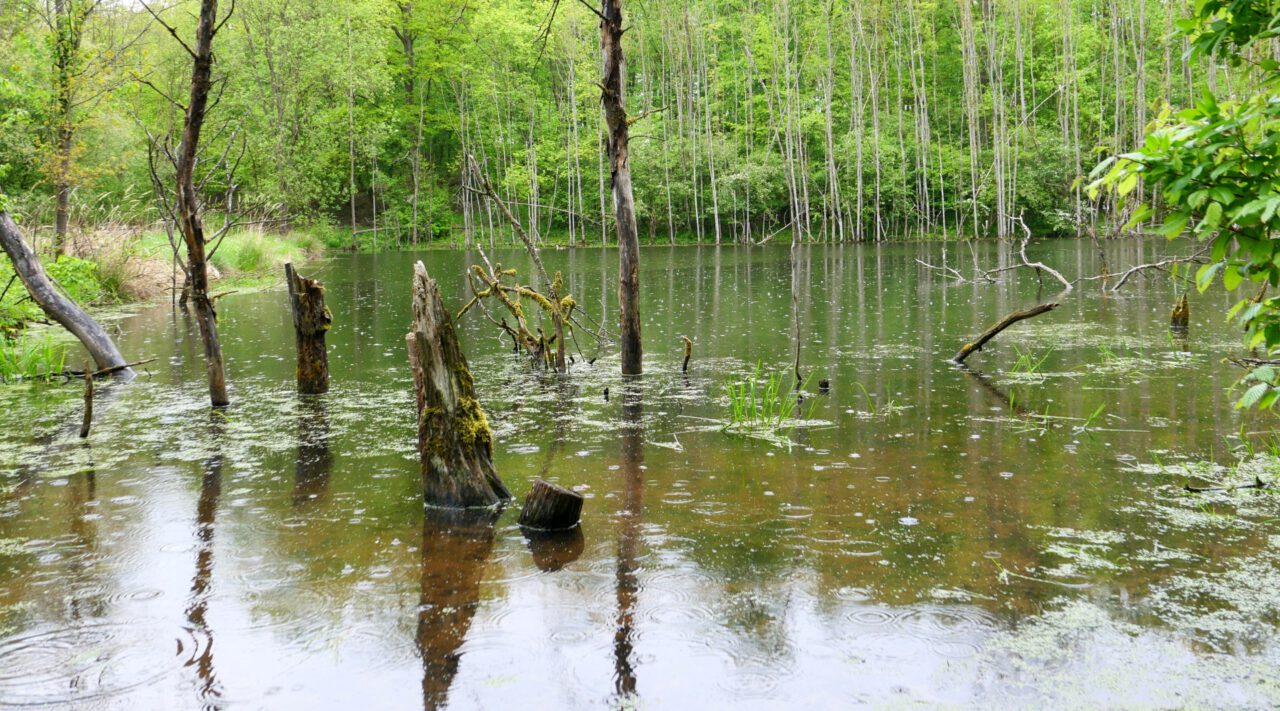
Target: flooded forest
{"points": [[639, 354]]}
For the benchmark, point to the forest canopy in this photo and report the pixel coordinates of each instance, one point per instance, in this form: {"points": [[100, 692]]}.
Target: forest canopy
{"points": [[840, 120]]}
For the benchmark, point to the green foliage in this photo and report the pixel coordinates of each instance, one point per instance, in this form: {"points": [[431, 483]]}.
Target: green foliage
{"points": [[29, 358], [80, 279], [255, 253], [1217, 168], [751, 111]]}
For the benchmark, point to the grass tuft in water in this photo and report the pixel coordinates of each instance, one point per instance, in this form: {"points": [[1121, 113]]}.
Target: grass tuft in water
{"points": [[28, 358], [763, 404]]}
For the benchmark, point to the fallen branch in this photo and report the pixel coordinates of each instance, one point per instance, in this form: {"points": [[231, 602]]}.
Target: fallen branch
{"points": [[105, 371], [1038, 266], [1196, 258], [945, 269], [1006, 322], [1258, 483], [1251, 362]]}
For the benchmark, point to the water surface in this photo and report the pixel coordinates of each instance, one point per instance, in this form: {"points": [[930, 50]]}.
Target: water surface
{"points": [[982, 536]]}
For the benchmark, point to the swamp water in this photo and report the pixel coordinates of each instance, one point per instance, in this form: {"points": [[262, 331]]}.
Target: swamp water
{"points": [[1010, 535]]}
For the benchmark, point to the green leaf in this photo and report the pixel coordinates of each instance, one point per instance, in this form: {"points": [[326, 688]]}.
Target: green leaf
{"points": [[1205, 275], [1231, 277], [1175, 224], [1140, 215], [1270, 211], [1252, 395], [1212, 218], [1127, 184]]}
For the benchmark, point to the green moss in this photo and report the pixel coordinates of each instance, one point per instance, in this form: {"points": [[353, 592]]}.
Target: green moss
{"points": [[471, 423]]}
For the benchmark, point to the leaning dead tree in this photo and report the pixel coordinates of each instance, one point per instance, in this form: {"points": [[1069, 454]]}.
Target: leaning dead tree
{"points": [[624, 204], [188, 210], [57, 307], [455, 445]]}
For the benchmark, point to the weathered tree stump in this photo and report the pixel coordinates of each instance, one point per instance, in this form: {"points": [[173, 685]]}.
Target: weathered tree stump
{"points": [[550, 507], [311, 320], [688, 353], [455, 444], [87, 422], [1180, 318]]}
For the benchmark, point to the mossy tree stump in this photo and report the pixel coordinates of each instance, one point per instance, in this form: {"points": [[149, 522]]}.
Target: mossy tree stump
{"points": [[311, 320], [455, 444], [1180, 318]]}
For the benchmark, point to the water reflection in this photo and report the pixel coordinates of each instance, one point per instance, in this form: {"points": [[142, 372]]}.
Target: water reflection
{"points": [[553, 550], [631, 512], [314, 460], [456, 546], [208, 686]]}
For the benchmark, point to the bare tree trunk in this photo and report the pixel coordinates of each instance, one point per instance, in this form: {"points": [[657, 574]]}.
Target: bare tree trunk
{"points": [[58, 307], [190, 222], [623, 201], [69, 17], [455, 444], [351, 137]]}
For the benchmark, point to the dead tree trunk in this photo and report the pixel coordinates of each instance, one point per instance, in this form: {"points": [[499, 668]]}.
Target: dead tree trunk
{"points": [[190, 222], [311, 320], [551, 507], [615, 113], [455, 444], [56, 306], [87, 422], [1005, 322]]}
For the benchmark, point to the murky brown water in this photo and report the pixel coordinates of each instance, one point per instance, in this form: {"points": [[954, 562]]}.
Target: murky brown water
{"points": [[937, 536]]}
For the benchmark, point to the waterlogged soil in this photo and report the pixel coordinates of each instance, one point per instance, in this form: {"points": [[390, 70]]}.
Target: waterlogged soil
{"points": [[1010, 534]]}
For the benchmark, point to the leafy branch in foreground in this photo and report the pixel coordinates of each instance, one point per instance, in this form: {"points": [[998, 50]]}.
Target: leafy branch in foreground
{"points": [[1217, 168]]}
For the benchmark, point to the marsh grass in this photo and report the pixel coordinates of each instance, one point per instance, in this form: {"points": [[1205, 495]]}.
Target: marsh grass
{"points": [[1028, 363], [30, 358], [764, 405]]}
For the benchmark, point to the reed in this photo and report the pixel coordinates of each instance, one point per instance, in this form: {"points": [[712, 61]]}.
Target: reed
{"points": [[763, 401]]}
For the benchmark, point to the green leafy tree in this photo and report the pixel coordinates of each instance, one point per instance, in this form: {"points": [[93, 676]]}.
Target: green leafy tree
{"points": [[1217, 167]]}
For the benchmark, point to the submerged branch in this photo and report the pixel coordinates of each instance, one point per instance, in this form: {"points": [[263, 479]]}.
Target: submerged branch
{"points": [[1007, 321]]}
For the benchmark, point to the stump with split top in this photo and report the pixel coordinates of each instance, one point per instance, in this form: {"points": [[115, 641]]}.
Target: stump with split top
{"points": [[311, 320], [455, 445]]}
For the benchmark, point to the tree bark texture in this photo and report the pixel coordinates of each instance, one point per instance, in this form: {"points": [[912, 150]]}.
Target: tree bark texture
{"points": [[455, 444], [615, 114], [56, 306], [190, 222], [551, 507], [311, 321]]}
